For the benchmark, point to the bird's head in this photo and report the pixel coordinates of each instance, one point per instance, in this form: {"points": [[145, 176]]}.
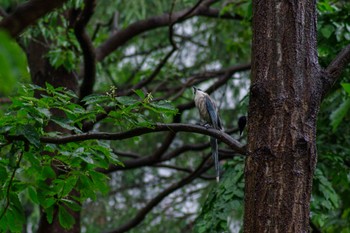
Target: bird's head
{"points": [[195, 89]]}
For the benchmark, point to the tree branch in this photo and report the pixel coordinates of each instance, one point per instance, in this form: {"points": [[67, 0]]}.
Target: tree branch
{"points": [[3, 13], [336, 67], [7, 204], [145, 210], [151, 160], [27, 13], [159, 127], [139, 27], [161, 64], [87, 47], [227, 72]]}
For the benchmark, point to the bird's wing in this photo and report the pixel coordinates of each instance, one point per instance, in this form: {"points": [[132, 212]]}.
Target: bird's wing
{"points": [[211, 108]]}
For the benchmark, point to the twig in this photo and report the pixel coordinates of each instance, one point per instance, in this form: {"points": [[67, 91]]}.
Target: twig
{"points": [[11, 181]]}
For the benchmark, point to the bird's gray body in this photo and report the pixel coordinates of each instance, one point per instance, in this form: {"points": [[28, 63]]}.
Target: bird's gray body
{"points": [[207, 109], [209, 113]]}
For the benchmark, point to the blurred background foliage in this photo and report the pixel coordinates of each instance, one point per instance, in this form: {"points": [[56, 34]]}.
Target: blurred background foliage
{"points": [[204, 44]]}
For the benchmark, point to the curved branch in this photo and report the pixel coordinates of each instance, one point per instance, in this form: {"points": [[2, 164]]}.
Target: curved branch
{"points": [[27, 13], [152, 160], [336, 67], [159, 127], [87, 47], [145, 210], [139, 27]]}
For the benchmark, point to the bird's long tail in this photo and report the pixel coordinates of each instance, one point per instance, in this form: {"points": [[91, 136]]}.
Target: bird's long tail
{"points": [[214, 152]]}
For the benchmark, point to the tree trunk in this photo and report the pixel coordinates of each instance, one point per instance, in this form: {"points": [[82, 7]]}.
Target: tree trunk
{"points": [[42, 72], [286, 92]]}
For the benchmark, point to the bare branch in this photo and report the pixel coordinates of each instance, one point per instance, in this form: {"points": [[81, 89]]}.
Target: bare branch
{"points": [[139, 27], [27, 13], [3, 13], [5, 100], [141, 161], [159, 127], [338, 64], [181, 169], [87, 47], [145, 210]]}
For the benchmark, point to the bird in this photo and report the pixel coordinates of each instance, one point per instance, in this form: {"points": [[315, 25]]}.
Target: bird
{"points": [[242, 121], [209, 113]]}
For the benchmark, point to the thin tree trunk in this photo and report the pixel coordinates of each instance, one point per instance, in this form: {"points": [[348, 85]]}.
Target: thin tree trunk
{"points": [[284, 102]]}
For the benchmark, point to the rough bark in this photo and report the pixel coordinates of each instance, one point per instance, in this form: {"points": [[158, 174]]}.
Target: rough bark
{"points": [[286, 92]]}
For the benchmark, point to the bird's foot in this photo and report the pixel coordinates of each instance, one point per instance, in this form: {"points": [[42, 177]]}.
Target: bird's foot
{"points": [[206, 125]]}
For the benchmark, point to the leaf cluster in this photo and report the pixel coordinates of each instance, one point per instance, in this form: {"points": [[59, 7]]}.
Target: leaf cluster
{"points": [[61, 177]]}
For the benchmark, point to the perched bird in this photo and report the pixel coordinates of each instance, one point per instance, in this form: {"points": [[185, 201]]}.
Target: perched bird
{"points": [[242, 121], [209, 113]]}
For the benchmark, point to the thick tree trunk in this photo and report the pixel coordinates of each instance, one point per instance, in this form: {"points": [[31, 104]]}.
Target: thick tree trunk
{"points": [[285, 97], [42, 72]]}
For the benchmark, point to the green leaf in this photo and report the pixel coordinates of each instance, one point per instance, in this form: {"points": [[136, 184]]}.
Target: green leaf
{"points": [[3, 174], [48, 172], [69, 184], [338, 115], [13, 64], [327, 30], [346, 87], [126, 100], [65, 123], [73, 205], [100, 181], [30, 133], [49, 213], [65, 218], [95, 99], [33, 195], [48, 202], [164, 106], [86, 187], [140, 93]]}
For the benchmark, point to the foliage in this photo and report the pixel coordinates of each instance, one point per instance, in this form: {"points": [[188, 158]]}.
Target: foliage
{"points": [[13, 64], [224, 203], [26, 164]]}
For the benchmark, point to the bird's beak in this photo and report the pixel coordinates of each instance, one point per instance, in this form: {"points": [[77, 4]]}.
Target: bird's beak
{"points": [[194, 89]]}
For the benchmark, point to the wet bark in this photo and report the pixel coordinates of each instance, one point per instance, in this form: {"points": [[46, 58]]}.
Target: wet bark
{"points": [[286, 92]]}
